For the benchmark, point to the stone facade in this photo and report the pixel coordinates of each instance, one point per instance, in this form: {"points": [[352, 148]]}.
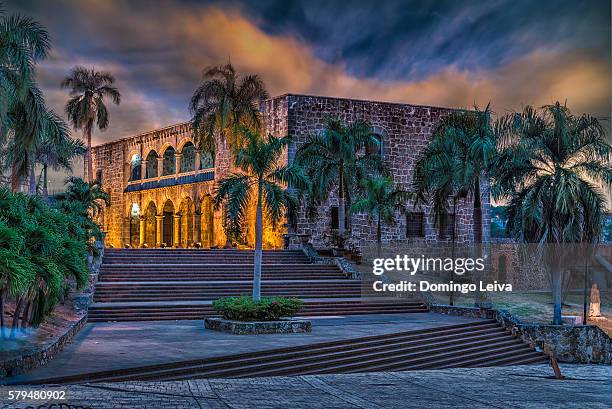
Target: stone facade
{"points": [[146, 204]]}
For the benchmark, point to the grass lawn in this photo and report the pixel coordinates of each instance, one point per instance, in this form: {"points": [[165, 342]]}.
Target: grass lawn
{"points": [[528, 306]]}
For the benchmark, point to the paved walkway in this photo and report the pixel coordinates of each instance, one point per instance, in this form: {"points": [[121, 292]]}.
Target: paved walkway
{"points": [[105, 346], [519, 387]]}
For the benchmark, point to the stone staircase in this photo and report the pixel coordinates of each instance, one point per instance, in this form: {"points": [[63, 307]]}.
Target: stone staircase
{"points": [[473, 344], [169, 284]]}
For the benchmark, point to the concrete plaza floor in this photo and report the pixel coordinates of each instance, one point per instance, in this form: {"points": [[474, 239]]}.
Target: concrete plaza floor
{"points": [[105, 346], [522, 387]]}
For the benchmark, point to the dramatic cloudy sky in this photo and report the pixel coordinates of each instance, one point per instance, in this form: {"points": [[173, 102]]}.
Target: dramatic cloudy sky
{"points": [[448, 53]]}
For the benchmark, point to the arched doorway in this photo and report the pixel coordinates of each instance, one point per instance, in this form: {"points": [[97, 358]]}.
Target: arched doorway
{"points": [[168, 223], [186, 228], [135, 168], [134, 225], [151, 169], [169, 162], [207, 227], [188, 155], [151, 225]]}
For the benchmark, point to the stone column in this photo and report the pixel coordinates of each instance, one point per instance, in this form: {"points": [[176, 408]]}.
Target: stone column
{"points": [[159, 233], [198, 159], [160, 166], [197, 225], [143, 170], [177, 226], [177, 163], [143, 226]]}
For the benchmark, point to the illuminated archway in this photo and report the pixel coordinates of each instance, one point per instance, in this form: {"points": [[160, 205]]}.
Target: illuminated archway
{"points": [[206, 221], [134, 218], [168, 223], [186, 227], [136, 167], [151, 225]]}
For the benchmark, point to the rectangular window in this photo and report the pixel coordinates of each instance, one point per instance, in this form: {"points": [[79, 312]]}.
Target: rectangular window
{"points": [[334, 219], [446, 227], [414, 224]]}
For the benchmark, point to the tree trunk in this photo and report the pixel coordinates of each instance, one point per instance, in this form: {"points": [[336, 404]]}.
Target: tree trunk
{"points": [[477, 214], [556, 295], [258, 247], [15, 179], [26, 315], [378, 238], [32, 180], [16, 315], [451, 294], [45, 190], [341, 205], [2, 296], [89, 176], [482, 300]]}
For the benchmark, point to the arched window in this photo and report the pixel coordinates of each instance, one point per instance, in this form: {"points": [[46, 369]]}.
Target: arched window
{"points": [[375, 146], [169, 164], [152, 171], [206, 161], [135, 167], [188, 158]]}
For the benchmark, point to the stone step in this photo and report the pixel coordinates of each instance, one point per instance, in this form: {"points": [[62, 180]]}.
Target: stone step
{"points": [[478, 343]]}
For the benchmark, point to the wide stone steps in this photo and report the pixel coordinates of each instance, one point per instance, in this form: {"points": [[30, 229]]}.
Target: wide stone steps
{"points": [[179, 284], [478, 343], [198, 256], [135, 291], [153, 311]]}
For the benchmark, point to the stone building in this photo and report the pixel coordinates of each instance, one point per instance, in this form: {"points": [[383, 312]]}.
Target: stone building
{"points": [[161, 187]]}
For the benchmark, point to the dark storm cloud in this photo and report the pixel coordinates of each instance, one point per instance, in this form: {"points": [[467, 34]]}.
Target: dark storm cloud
{"points": [[449, 53]]}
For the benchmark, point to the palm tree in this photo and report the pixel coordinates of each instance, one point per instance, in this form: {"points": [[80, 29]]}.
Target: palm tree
{"points": [[57, 150], [382, 201], [259, 176], [550, 168], [453, 166], [23, 42], [222, 104], [455, 163], [22, 108], [89, 194], [332, 162], [86, 107]]}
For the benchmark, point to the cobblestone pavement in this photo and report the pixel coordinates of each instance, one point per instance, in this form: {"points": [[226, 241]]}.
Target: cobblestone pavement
{"points": [[585, 387]]}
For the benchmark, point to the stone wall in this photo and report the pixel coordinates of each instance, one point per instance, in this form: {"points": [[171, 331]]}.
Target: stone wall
{"points": [[405, 130], [584, 344]]}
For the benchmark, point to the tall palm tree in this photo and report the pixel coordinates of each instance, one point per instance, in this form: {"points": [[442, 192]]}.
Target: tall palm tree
{"points": [[455, 163], [86, 107], [223, 103], [57, 150], [550, 168], [23, 42], [259, 176], [382, 201], [333, 162]]}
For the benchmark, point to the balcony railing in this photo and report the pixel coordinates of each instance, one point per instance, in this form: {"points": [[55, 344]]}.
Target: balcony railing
{"points": [[183, 178]]}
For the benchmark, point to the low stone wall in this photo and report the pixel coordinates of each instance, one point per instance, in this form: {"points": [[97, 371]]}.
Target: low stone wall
{"points": [[42, 356], [584, 344], [287, 326], [342, 263]]}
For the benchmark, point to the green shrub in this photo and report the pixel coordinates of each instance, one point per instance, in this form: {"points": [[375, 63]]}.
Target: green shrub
{"points": [[246, 309]]}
